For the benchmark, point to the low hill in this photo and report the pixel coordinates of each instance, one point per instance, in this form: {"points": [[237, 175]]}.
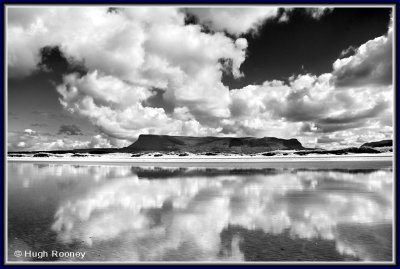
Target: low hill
{"points": [[378, 144]]}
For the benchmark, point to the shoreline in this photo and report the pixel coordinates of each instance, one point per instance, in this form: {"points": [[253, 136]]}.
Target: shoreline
{"points": [[352, 161]]}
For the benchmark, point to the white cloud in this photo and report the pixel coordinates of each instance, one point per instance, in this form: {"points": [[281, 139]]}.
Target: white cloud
{"points": [[37, 141], [21, 144], [104, 141], [29, 131], [30, 140], [128, 41]]}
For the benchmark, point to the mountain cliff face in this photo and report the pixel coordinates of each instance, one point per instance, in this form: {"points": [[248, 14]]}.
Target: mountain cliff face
{"points": [[219, 144]]}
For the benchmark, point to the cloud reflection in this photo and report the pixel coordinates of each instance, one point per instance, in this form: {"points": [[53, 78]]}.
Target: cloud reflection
{"points": [[181, 216]]}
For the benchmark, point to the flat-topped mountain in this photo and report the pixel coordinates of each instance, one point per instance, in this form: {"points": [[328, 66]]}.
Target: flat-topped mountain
{"points": [[214, 144]]}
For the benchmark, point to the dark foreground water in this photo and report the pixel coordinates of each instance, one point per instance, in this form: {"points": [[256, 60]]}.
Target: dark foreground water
{"points": [[124, 213]]}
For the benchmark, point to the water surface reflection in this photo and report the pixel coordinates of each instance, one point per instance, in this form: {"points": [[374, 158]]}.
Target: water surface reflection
{"points": [[193, 214]]}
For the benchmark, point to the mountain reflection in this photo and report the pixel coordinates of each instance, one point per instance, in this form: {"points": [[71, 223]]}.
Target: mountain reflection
{"points": [[153, 213]]}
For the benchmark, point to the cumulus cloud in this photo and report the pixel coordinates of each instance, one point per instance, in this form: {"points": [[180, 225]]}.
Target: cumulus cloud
{"points": [[308, 98], [70, 130], [104, 141], [308, 107], [138, 52], [371, 65]]}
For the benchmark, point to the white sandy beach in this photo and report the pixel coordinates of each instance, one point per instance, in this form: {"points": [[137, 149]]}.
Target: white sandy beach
{"points": [[125, 158]]}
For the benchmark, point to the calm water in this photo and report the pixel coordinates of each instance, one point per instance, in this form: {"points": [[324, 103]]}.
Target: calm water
{"points": [[125, 213]]}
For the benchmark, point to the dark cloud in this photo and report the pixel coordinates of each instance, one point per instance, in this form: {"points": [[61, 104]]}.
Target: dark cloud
{"points": [[364, 74], [344, 99], [70, 130], [296, 108], [158, 100], [329, 128], [345, 121], [239, 107], [240, 128], [305, 127], [54, 61], [114, 10], [362, 115], [372, 64]]}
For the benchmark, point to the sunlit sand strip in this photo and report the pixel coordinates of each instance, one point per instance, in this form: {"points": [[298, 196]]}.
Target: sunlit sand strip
{"points": [[206, 159], [242, 162]]}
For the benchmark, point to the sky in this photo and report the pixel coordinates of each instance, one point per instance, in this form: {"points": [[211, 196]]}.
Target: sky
{"points": [[98, 76]]}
